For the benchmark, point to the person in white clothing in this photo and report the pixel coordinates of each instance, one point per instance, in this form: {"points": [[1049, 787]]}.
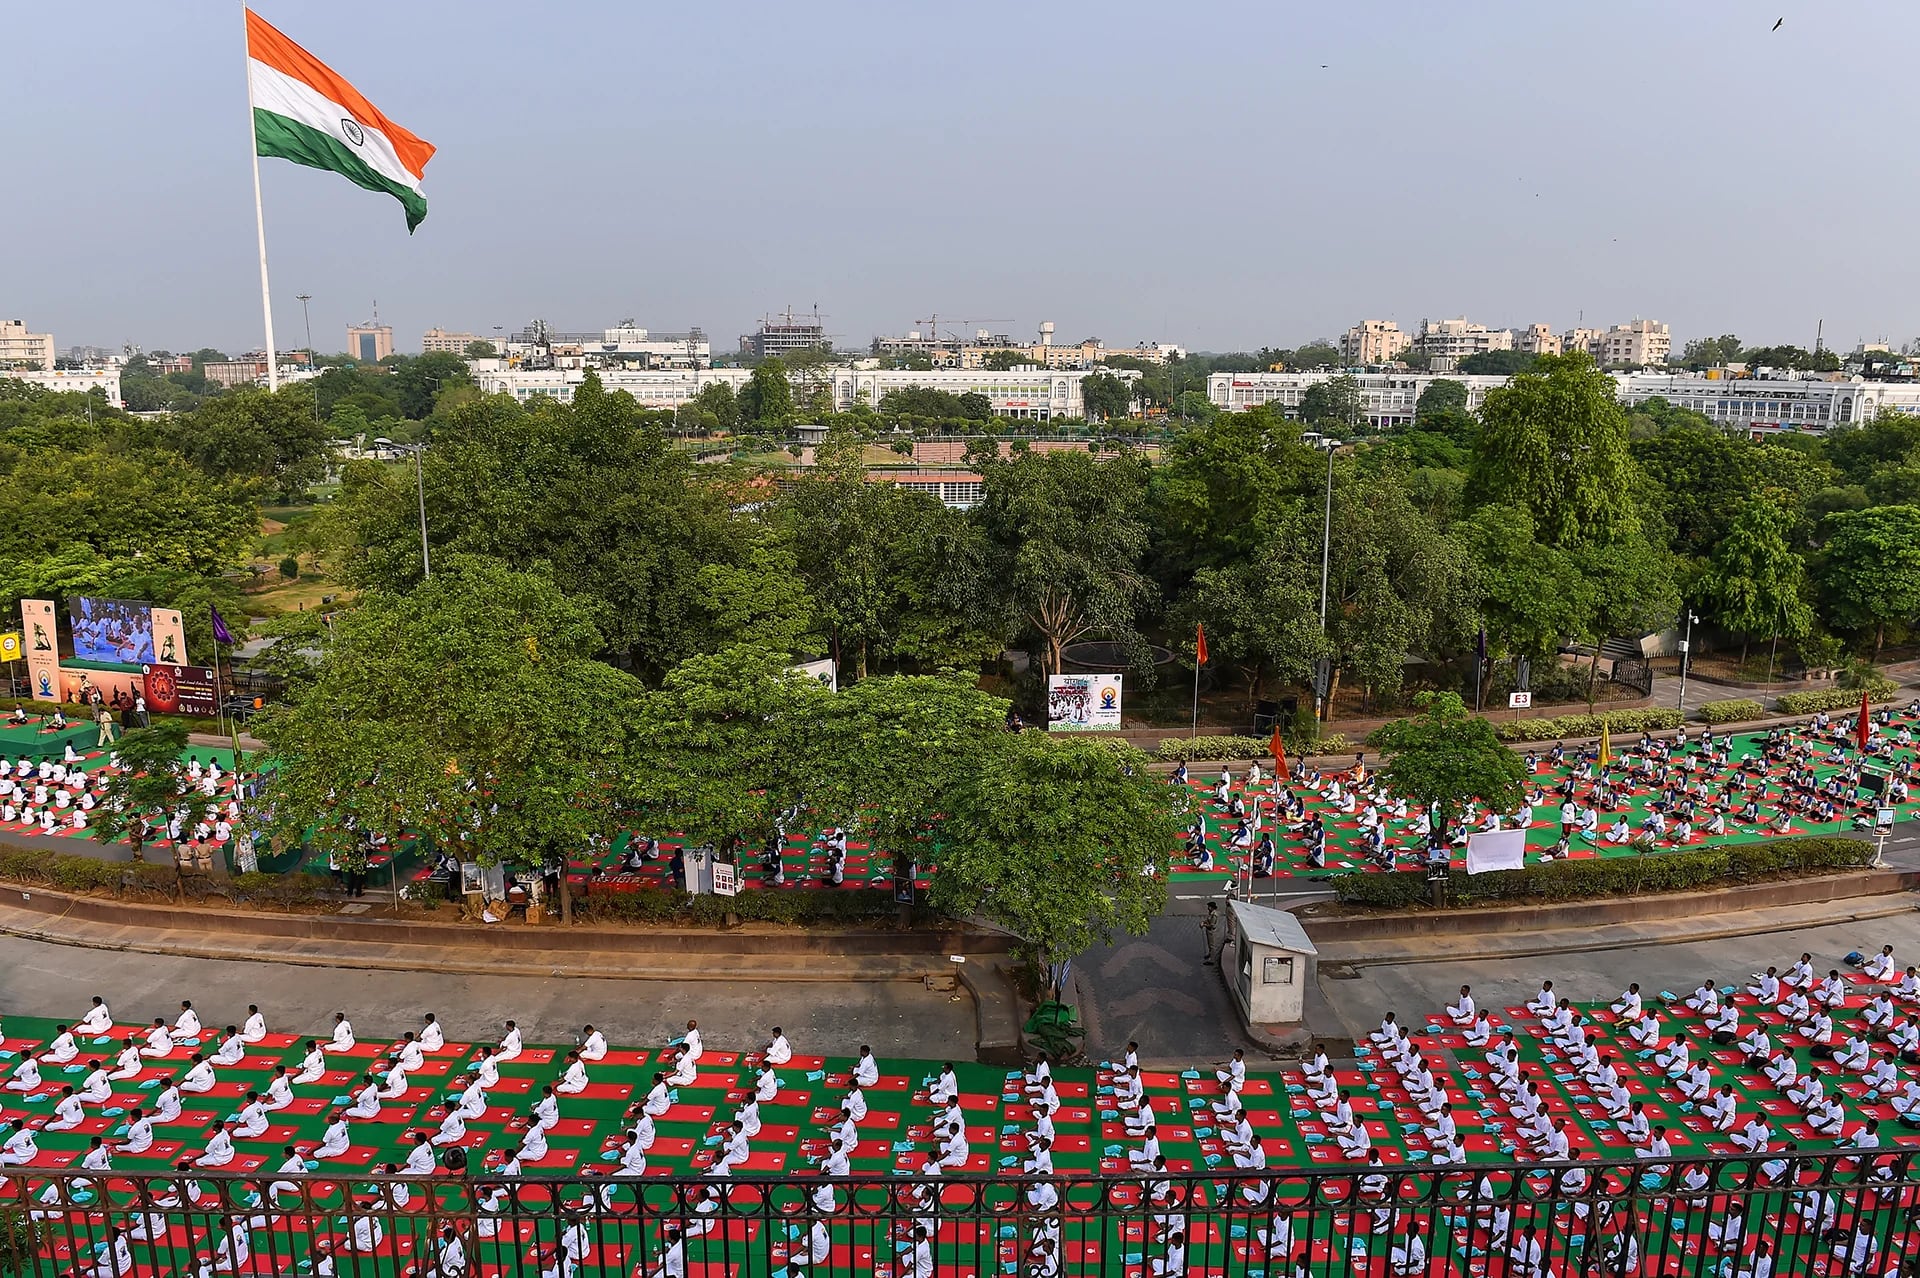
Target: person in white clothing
{"points": [[139, 1137], [98, 1020], [159, 1040], [279, 1090], [778, 1051], [255, 1028], [17, 1145], [337, 1138], [253, 1118], [96, 1087], [199, 1077], [574, 1080], [593, 1044], [432, 1037], [366, 1102], [866, 1070], [510, 1045], [420, 1159], [342, 1040], [313, 1064], [690, 1043], [409, 1052], [219, 1151], [233, 1049], [62, 1048], [25, 1076]]}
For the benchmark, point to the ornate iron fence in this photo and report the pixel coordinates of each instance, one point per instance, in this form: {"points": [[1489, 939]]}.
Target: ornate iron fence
{"points": [[1838, 1215]]}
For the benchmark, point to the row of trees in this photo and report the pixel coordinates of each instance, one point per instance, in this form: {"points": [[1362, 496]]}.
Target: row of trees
{"points": [[538, 746]]}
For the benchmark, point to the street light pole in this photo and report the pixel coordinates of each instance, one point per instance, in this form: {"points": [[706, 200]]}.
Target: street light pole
{"points": [[1686, 647], [1326, 559], [420, 479], [308, 321]]}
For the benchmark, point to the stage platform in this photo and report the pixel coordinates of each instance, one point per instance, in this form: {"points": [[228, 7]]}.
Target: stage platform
{"points": [[35, 744]]}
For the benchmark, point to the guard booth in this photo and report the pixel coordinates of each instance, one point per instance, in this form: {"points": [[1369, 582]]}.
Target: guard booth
{"points": [[1275, 963]]}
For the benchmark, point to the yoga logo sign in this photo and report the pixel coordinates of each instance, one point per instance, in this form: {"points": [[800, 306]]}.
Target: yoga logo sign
{"points": [[38, 624], [1083, 703]]}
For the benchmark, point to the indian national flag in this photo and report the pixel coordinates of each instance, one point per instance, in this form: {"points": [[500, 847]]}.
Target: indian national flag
{"points": [[303, 111]]}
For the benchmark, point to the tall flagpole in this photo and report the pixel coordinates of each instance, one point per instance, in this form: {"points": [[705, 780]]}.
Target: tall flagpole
{"points": [[260, 221]]}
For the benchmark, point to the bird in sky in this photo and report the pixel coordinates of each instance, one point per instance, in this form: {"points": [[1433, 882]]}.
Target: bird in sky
{"points": [[1776, 25]]}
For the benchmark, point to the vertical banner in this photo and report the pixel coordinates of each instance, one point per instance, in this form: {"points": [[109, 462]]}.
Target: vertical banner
{"points": [[1083, 703], [42, 631], [169, 637]]}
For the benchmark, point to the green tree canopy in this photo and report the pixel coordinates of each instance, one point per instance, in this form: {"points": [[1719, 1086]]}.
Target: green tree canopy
{"points": [[1870, 571], [517, 757], [1444, 757], [1555, 441], [1753, 582], [1062, 841]]}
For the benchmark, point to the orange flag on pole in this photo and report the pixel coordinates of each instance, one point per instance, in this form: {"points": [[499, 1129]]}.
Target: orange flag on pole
{"points": [[1279, 748], [1863, 730], [1199, 645]]}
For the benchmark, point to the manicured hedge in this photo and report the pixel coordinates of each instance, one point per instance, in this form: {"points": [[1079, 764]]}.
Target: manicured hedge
{"points": [[1214, 749], [1732, 710], [1587, 725], [657, 905], [1611, 876], [71, 872], [1836, 698]]}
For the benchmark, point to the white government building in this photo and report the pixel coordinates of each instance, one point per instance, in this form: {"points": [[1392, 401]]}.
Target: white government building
{"points": [[1033, 394], [1758, 404]]}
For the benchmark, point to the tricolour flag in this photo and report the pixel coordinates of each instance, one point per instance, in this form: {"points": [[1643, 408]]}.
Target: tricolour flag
{"points": [[303, 111]]}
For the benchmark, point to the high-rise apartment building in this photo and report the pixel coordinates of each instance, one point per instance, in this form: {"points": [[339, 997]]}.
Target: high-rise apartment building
{"points": [[1459, 338], [19, 348], [1373, 342], [1642, 341], [1536, 339], [441, 341]]}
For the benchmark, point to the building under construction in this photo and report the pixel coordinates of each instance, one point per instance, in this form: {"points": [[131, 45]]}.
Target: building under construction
{"points": [[785, 333]]}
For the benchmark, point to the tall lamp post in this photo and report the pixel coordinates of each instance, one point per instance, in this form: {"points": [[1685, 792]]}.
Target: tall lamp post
{"points": [[1326, 558], [1686, 650], [420, 481], [308, 321]]}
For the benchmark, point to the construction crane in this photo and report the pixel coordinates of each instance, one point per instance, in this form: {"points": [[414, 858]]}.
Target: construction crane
{"points": [[932, 324]]}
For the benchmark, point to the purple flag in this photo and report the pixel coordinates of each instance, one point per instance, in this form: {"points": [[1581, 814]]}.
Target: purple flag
{"points": [[220, 632]]}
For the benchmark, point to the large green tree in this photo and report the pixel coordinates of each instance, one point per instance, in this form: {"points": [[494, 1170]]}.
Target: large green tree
{"points": [[1062, 841], [1754, 581], [1066, 536], [1554, 440], [470, 711], [1444, 757], [1870, 570]]}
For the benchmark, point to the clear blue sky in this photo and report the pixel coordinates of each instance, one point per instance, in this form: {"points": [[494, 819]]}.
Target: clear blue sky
{"points": [[1127, 170]]}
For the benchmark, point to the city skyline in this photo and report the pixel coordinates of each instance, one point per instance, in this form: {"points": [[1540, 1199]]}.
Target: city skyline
{"points": [[690, 168]]}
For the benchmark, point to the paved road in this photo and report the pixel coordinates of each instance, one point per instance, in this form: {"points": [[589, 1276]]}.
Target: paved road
{"points": [[895, 1017], [1416, 990]]}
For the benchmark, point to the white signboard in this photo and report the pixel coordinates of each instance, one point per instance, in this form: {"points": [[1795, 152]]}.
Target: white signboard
{"points": [[1519, 700], [1491, 850], [724, 882], [824, 670], [1083, 703]]}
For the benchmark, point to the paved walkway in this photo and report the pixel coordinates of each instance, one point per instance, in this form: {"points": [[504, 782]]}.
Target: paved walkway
{"points": [[1417, 989], [894, 1017]]}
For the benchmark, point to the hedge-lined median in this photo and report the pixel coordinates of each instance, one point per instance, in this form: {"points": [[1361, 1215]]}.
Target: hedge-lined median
{"points": [[1215, 749], [1837, 698], [1732, 710], [1612, 876], [658, 905]]}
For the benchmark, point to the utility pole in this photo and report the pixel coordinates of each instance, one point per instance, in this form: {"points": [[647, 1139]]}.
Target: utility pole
{"points": [[1326, 558], [1686, 648], [308, 321]]}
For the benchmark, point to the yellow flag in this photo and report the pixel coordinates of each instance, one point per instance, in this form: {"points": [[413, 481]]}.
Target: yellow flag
{"points": [[10, 646], [1606, 742]]}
